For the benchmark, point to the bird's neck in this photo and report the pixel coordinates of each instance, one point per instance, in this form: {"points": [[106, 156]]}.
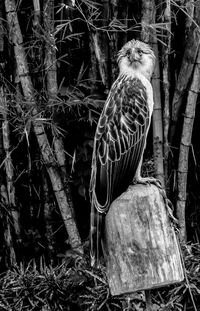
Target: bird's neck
{"points": [[137, 71], [144, 75]]}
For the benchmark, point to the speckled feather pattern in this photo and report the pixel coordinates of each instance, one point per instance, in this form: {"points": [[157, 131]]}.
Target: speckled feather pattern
{"points": [[120, 133]]}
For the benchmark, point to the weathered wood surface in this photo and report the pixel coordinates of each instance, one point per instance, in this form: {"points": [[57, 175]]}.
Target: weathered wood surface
{"points": [[141, 248]]}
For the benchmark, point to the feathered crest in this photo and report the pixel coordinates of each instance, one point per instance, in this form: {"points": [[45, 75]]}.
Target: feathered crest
{"points": [[135, 44]]}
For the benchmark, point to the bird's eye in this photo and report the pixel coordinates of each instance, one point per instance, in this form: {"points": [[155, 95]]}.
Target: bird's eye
{"points": [[128, 53], [140, 52]]}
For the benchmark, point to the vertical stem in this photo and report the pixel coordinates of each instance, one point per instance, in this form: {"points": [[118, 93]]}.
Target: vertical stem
{"points": [[93, 67], [149, 306], [50, 51], [36, 5], [190, 5], [187, 66], [49, 205], [185, 147], [101, 58], [114, 4], [149, 36], [166, 84], [52, 88], [1, 29], [101, 46], [8, 216], [9, 166], [10, 258], [45, 149]]}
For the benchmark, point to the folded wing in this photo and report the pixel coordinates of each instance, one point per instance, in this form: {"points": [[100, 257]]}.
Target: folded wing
{"points": [[118, 146]]}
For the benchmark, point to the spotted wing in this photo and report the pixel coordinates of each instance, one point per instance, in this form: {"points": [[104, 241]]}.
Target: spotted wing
{"points": [[118, 147]]}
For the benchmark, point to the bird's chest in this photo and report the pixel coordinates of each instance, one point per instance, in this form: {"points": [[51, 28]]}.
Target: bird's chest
{"points": [[135, 89]]}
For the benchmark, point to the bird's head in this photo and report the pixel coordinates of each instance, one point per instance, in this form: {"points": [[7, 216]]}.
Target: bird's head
{"points": [[136, 57]]}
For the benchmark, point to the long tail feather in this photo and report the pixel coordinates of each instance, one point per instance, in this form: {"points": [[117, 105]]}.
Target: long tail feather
{"points": [[95, 236]]}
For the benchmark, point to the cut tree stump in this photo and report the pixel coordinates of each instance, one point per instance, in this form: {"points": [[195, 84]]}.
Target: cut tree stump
{"points": [[141, 248]]}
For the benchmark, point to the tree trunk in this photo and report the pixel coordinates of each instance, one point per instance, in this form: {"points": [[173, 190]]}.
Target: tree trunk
{"points": [[140, 243]]}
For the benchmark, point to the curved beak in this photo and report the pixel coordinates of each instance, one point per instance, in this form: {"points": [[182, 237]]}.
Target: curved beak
{"points": [[134, 57]]}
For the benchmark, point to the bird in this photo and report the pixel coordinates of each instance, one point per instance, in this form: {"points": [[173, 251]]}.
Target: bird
{"points": [[120, 136]]}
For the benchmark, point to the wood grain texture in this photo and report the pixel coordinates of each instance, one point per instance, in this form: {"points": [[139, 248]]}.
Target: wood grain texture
{"points": [[141, 248]]}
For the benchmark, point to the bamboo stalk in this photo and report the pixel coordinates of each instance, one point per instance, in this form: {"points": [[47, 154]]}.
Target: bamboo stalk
{"points": [[101, 58], [52, 89], [189, 5], [36, 5], [124, 15], [37, 51], [46, 151], [1, 28], [100, 43], [166, 83], [50, 50], [49, 206], [149, 305], [114, 5], [14, 209], [149, 36], [158, 125], [190, 54], [10, 258], [93, 76], [185, 147]]}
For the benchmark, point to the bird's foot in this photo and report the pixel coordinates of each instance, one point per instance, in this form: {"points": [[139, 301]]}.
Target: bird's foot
{"points": [[147, 181]]}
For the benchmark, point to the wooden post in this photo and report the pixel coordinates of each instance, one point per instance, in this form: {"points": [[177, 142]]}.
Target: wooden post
{"points": [[141, 248]]}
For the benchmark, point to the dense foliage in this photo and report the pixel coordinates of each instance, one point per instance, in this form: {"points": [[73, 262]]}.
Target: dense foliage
{"points": [[73, 285], [57, 64]]}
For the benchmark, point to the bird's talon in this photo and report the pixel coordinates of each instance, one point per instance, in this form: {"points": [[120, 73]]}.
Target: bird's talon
{"points": [[134, 181], [157, 183], [147, 181]]}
